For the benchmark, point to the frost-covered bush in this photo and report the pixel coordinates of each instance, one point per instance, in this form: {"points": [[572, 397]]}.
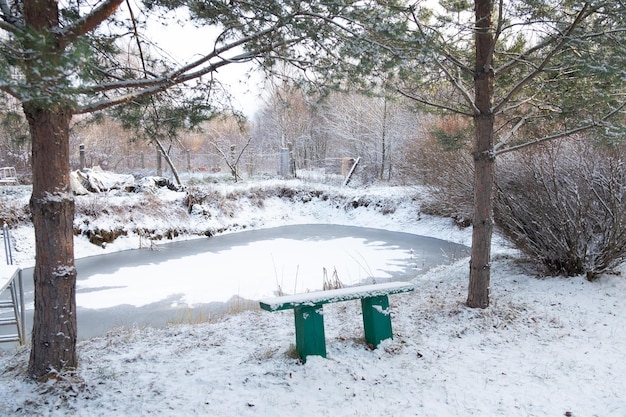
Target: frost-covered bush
{"points": [[564, 204], [447, 171]]}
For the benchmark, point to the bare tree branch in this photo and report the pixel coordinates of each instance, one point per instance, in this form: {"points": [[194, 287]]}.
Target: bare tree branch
{"points": [[459, 86], [510, 134], [232, 164], [516, 105], [243, 149]]}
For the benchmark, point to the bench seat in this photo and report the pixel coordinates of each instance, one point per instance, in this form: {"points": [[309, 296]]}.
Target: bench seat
{"points": [[309, 317]]}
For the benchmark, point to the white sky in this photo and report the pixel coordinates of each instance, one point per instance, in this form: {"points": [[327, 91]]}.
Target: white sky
{"points": [[183, 42]]}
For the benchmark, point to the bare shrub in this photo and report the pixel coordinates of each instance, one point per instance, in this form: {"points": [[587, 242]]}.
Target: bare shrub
{"points": [[563, 203], [444, 165], [197, 196], [13, 212]]}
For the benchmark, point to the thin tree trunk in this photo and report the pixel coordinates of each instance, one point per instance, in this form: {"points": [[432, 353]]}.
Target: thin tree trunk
{"points": [[52, 206], [164, 154], [384, 141], [484, 162]]}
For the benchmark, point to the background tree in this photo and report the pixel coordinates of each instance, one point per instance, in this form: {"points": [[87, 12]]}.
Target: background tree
{"points": [[288, 116], [107, 145], [14, 137], [373, 128], [539, 70], [229, 138], [60, 59]]}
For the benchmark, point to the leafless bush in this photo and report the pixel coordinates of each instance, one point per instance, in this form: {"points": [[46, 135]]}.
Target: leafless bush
{"points": [[445, 166], [13, 212], [197, 196], [563, 204]]}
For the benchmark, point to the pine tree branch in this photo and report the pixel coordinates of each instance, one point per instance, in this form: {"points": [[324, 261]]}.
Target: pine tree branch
{"points": [[9, 21], [433, 104], [179, 75], [456, 83], [148, 87], [532, 75], [89, 22], [558, 135], [420, 26], [8, 27]]}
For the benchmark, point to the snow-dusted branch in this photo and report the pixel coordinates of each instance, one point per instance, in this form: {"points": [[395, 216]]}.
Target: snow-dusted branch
{"points": [[511, 133], [456, 83], [152, 86], [459, 86], [566, 133], [516, 105], [8, 20], [345, 29], [548, 57], [9, 27], [179, 75]]}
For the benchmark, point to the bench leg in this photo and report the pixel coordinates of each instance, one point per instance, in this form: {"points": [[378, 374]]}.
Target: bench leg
{"points": [[376, 319], [310, 338]]}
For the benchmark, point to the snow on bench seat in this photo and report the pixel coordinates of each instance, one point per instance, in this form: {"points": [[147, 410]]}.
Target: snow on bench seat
{"points": [[309, 317], [334, 296]]}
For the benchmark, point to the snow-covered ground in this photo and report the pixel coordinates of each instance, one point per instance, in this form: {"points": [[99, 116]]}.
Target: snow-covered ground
{"points": [[544, 347]]}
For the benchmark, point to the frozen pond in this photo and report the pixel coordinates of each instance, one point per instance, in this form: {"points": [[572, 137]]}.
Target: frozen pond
{"points": [[192, 280]]}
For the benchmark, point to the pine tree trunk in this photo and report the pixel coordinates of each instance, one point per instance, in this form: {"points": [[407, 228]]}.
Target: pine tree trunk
{"points": [[52, 206], [53, 345], [484, 162]]}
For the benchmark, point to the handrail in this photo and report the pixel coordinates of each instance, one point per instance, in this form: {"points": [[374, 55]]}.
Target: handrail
{"points": [[17, 294]]}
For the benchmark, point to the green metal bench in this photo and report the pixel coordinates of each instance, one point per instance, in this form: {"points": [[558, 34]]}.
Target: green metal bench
{"points": [[309, 317]]}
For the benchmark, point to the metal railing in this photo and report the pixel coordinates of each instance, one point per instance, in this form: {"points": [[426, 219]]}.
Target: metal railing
{"points": [[14, 283]]}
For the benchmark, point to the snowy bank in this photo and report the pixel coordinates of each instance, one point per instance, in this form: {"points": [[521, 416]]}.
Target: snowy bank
{"points": [[545, 347]]}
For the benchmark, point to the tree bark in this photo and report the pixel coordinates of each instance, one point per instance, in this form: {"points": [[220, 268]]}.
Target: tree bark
{"points": [[52, 206], [484, 159]]}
